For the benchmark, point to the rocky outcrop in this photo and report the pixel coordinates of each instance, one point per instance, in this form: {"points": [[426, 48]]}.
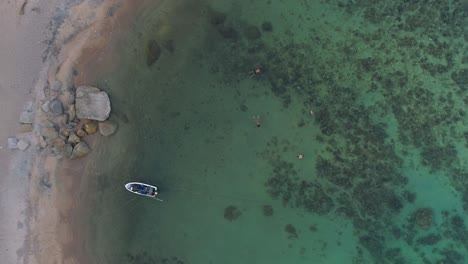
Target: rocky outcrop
{"points": [[92, 103], [107, 128]]}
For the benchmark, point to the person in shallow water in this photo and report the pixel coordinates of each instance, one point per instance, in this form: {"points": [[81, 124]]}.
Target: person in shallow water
{"points": [[257, 121], [256, 71]]}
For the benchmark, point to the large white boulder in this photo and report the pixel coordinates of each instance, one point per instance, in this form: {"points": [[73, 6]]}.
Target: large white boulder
{"points": [[92, 103]]}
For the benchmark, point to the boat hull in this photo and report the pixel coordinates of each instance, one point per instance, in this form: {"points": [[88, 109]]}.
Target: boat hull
{"points": [[142, 189]]}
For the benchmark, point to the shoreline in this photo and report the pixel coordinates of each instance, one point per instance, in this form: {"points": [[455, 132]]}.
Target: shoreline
{"points": [[44, 195]]}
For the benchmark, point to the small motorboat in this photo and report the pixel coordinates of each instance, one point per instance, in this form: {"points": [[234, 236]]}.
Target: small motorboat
{"points": [[143, 189]]}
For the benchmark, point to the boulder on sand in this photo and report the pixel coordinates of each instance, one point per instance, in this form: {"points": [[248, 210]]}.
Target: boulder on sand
{"points": [[80, 150], [92, 103]]}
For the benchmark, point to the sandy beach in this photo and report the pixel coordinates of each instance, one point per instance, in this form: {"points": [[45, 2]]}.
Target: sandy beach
{"points": [[42, 198]]}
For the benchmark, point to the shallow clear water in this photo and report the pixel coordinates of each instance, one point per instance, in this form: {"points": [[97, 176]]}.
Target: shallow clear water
{"points": [[383, 179]]}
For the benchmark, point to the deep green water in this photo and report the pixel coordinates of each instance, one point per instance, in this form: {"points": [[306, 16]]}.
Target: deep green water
{"points": [[384, 178]]}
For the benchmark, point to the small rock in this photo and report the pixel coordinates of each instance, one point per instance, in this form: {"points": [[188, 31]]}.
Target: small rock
{"points": [[28, 106], [67, 150], [42, 142], [26, 117], [59, 142], [49, 124], [80, 150], [56, 107], [56, 85], [91, 103], [12, 143], [71, 112], [81, 133], [66, 133], [73, 138], [49, 132], [90, 127], [45, 106], [22, 145], [107, 128], [64, 151], [25, 128]]}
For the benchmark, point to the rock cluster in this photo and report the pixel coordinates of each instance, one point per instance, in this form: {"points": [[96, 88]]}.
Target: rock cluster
{"points": [[62, 126]]}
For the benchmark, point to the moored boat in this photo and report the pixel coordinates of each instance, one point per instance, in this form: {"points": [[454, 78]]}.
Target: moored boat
{"points": [[142, 189]]}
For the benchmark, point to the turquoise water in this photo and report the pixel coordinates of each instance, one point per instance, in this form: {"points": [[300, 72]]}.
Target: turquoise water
{"points": [[383, 178]]}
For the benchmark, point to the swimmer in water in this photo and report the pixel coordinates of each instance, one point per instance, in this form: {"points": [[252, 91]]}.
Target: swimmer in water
{"points": [[257, 71], [257, 121]]}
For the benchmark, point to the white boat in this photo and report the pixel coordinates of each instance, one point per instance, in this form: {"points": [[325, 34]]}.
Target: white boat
{"points": [[143, 189]]}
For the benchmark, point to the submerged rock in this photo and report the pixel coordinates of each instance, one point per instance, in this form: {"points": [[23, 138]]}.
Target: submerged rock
{"points": [[217, 18], [228, 32], [107, 128], [423, 217], [92, 103], [153, 52], [252, 32], [267, 26], [231, 213]]}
